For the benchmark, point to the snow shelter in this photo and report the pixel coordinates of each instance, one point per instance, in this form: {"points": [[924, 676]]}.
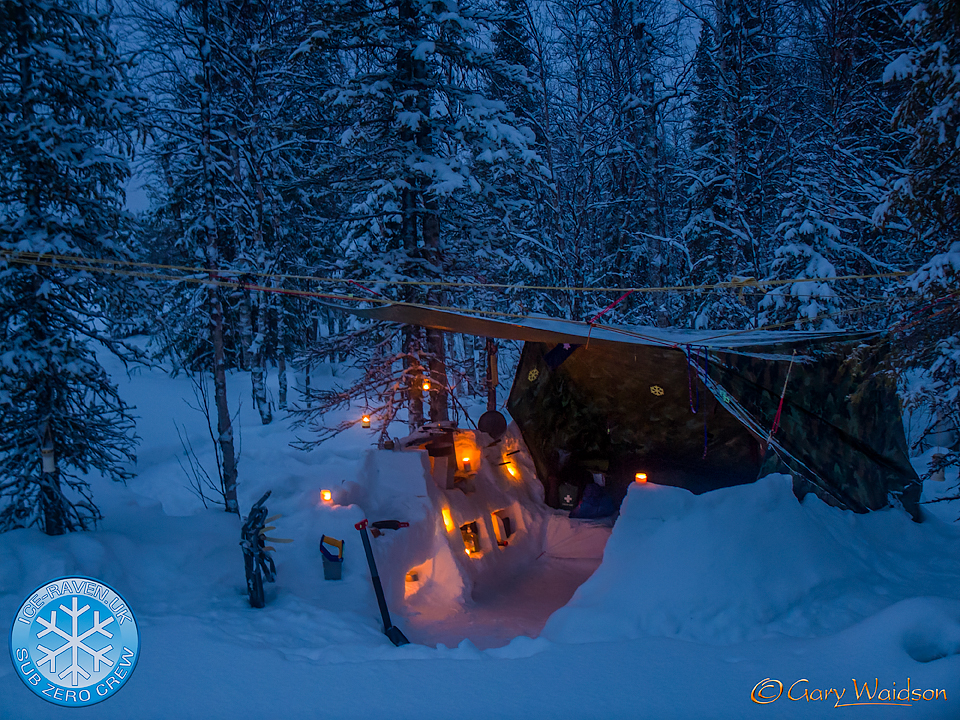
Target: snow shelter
{"points": [[699, 409]]}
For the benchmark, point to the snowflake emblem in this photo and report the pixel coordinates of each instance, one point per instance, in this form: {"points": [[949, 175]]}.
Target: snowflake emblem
{"points": [[533, 375], [75, 643], [656, 390]]}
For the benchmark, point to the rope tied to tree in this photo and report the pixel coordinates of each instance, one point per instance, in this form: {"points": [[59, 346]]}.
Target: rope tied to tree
{"points": [[741, 284], [200, 277], [737, 283]]}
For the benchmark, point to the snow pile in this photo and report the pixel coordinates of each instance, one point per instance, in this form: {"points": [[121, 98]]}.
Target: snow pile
{"points": [[750, 562]]}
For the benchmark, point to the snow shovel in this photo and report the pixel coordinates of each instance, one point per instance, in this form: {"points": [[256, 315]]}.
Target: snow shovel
{"points": [[389, 629]]}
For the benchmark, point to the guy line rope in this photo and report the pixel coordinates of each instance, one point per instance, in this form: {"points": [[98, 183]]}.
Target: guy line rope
{"points": [[213, 277]]}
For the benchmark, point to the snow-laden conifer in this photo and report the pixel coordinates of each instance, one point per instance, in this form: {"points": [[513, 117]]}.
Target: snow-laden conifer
{"points": [[425, 164], [65, 113]]}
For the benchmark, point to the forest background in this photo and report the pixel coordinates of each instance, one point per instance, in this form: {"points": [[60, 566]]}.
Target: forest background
{"points": [[737, 164]]}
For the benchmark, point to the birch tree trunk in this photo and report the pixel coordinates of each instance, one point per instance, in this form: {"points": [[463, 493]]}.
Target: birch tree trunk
{"points": [[214, 302], [439, 402], [259, 366], [281, 358], [414, 376], [50, 492], [246, 327]]}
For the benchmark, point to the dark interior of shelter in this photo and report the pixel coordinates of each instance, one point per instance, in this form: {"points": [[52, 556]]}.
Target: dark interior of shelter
{"points": [[620, 414]]}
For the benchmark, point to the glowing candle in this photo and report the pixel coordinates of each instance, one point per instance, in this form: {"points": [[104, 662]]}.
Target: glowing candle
{"points": [[641, 477], [326, 496]]}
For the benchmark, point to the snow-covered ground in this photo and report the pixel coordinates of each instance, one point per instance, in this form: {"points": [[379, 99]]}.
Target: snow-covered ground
{"points": [[698, 602]]}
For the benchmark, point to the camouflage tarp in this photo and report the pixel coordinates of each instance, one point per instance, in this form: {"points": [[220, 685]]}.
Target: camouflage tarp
{"points": [[840, 427], [632, 409]]}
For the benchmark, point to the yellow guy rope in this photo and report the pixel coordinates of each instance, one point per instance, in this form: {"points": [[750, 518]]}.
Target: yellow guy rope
{"points": [[210, 278], [737, 283]]}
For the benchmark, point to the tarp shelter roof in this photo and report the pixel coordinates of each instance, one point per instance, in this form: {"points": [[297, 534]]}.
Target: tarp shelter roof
{"points": [[555, 330], [630, 396]]}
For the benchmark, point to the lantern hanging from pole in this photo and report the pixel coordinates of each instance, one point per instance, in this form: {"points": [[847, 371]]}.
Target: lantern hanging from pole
{"points": [[47, 455]]}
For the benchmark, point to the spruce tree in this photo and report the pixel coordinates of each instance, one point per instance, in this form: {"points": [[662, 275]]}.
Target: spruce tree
{"points": [[65, 114], [193, 153], [926, 188], [733, 210], [425, 160]]}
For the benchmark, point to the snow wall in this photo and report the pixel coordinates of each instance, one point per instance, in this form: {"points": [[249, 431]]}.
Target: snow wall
{"points": [[426, 568], [733, 565]]}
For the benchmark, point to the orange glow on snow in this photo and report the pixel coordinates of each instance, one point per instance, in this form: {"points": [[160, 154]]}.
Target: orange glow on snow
{"points": [[447, 520]]}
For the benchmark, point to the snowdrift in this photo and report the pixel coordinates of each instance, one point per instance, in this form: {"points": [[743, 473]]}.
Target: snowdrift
{"points": [[750, 562]]}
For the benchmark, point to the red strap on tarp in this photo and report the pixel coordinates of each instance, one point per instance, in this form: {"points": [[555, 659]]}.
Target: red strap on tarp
{"points": [[783, 394], [608, 308]]}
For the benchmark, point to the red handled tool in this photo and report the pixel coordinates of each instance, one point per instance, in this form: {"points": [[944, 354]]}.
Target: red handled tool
{"points": [[389, 629]]}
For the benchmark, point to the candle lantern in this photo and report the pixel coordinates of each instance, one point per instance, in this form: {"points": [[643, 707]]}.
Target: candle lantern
{"points": [[467, 457], [426, 385], [365, 421], [471, 537], [641, 477]]}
